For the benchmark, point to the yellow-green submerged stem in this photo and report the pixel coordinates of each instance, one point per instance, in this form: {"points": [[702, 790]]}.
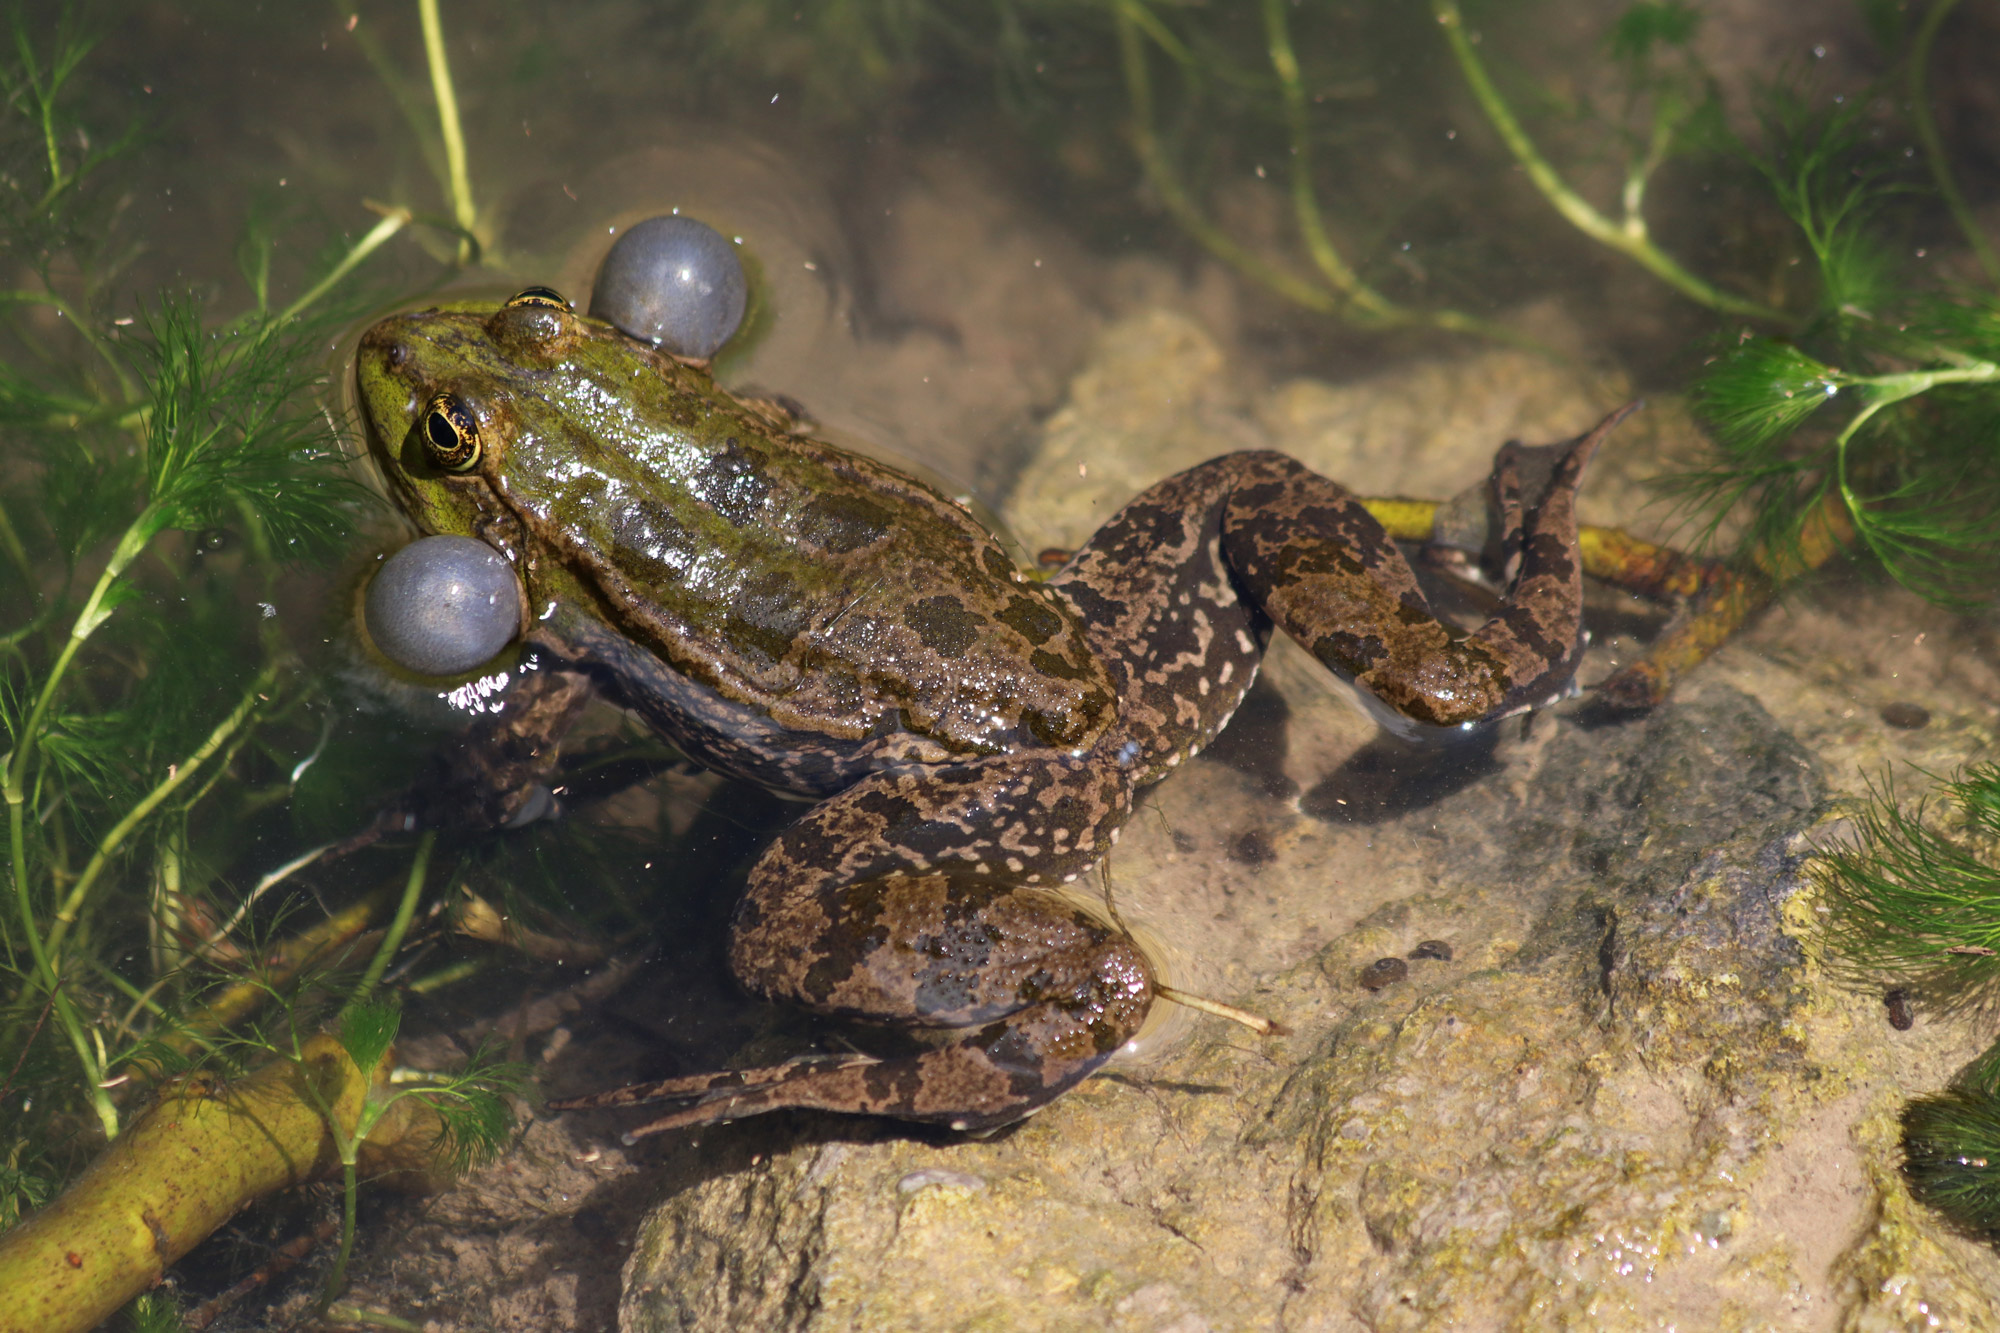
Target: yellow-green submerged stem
{"points": [[391, 223], [1627, 236], [1883, 391], [1340, 291], [399, 926], [95, 612], [177, 776], [1305, 203], [1927, 135], [462, 209], [1132, 18]]}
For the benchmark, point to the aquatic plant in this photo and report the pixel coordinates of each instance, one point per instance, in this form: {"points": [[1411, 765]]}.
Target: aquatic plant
{"points": [[1847, 395], [1917, 897], [1951, 1148], [1915, 901], [166, 459]]}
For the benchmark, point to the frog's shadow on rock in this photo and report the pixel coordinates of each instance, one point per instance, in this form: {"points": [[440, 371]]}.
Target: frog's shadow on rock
{"points": [[1382, 780]]}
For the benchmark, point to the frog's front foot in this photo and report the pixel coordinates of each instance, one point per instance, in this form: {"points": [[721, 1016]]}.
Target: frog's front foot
{"points": [[914, 899]]}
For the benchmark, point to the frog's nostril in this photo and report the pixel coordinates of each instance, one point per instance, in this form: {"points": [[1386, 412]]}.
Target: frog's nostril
{"points": [[398, 353]]}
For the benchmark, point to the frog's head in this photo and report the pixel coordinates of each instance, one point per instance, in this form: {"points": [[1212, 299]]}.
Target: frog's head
{"points": [[441, 392]]}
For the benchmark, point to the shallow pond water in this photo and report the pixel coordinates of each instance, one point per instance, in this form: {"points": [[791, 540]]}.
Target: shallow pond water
{"points": [[1559, 1049]]}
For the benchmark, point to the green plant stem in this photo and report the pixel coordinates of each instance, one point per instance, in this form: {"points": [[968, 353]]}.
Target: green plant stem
{"points": [[462, 209], [350, 1195], [96, 610], [177, 776], [1367, 302], [391, 223], [1629, 237], [1366, 305], [94, 613], [399, 926], [1152, 159], [1345, 295], [67, 1017], [98, 343], [1885, 391], [1933, 146], [17, 554], [415, 115]]}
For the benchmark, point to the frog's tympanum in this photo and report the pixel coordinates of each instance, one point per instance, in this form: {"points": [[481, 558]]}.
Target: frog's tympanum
{"points": [[818, 622]]}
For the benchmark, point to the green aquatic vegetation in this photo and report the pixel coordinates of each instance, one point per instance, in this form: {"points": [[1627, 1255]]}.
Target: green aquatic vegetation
{"points": [[1877, 410], [1668, 99], [1917, 897], [163, 470], [471, 1117], [1951, 1149]]}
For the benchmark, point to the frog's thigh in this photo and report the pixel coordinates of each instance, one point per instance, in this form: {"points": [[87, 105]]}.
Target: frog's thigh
{"points": [[911, 896], [903, 900], [1161, 607]]}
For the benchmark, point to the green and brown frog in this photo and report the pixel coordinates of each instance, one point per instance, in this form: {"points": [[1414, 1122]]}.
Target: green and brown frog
{"points": [[818, 622]]}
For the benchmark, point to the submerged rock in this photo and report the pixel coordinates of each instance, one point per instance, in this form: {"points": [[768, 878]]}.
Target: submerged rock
{"points": [[1621, 1097]]}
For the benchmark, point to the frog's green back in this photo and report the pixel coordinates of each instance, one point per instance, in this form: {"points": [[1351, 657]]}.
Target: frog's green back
{"points": [[827, 590]]}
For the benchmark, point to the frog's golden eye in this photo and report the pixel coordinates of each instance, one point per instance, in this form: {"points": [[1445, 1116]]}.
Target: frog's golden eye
{"points": [[544, 296], [451, 434]]}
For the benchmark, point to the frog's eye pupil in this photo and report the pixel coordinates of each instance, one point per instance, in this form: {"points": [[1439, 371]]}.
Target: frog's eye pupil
{"points": [[451, 434], [541, 296]]}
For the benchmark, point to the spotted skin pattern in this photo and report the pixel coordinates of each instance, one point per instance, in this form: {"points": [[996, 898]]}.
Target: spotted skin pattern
{"points": [[830, 628], [910, 898]]}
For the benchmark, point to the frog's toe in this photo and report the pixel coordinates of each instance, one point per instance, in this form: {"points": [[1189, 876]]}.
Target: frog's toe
{"points": [[706, 1092]]}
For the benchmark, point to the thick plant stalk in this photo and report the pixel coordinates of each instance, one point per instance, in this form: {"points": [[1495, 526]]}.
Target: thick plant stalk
{"points": [[205, 1150]]}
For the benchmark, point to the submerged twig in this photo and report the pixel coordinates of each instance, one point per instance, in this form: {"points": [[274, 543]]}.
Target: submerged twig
{"points": [[1257, 1023]]}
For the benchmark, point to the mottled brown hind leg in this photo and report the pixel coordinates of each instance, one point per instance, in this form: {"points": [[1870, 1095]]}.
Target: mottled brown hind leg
{"points": [[912, 899], [1320, 565]]}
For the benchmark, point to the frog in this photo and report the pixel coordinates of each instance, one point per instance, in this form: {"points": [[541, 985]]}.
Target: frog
{"points": [[970, 735]]}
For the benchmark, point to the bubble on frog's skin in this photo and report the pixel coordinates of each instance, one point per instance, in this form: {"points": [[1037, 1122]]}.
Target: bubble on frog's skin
{"points": [[443, 605], [673, 282]]}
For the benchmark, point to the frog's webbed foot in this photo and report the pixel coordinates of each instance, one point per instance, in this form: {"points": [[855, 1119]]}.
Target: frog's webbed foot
{"points": [[721, 1096], [912, 899]]}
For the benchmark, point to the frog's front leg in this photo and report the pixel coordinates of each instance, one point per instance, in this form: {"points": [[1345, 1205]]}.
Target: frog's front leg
{"points": [[498, 774], [914, 898]]}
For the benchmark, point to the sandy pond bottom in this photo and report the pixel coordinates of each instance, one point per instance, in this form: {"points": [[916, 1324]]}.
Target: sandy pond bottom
{"points": [[1628, 1100]]}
